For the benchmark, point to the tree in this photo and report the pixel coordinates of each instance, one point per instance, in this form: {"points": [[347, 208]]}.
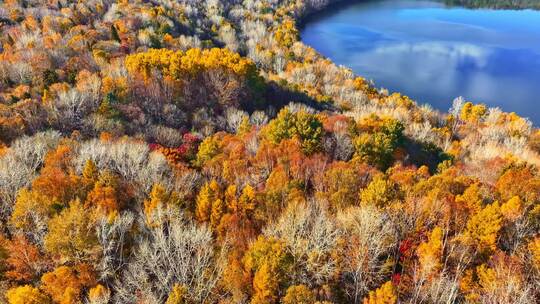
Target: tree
{"points": [[190, 260], [206, 77], [312, 238], [265, 285], [371, 238], [473, 113], [56, 180], [385, 294], [307, 127], [286, 33], [298, 294], [65, 284], [377, 148], [519, 180], [218, 209], [90, 171], [206, 198], [246, 201], [534, 251], [31, 212], [159, 199], [208, 149], [99, 295], [269, 261], [430, 253], [24, 261], [500, 280], [471, 199], [26, 295], [342, 181], [107, 195], [380, 192], [177, 295], [483, 228], [310, 130], [72, 234], [512, 209]]}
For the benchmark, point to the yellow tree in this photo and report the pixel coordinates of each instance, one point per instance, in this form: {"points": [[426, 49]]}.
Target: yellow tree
{"points": [[483, 228], [31, 211], [534, 251], [298, 294], [246, 201], [71, 234], [386, 294], [90, 172], [265, 285], [512, 209], [430, 252], [159, 198], [473, 113], [178, 295], [209, 193], [218, 209], [26, 295], [268, 259], [99, 294], [286, 33], [380, 192], [471, 199], [208, 149]]}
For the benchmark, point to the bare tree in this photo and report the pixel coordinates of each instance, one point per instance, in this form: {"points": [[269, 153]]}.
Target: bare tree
{"points": [[370, 237], [311, 236], [112, 237], [172, 252], [234, 119]]}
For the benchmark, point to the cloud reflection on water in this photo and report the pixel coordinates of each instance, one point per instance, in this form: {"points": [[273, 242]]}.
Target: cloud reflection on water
{"points": [[436, 57]]}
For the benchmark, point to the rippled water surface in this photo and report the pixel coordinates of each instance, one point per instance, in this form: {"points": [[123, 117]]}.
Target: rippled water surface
{"points": [[434, 53]]}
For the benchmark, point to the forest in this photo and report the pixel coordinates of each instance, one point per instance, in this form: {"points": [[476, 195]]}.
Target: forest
{"points": [[184, 151], [496, 4]]}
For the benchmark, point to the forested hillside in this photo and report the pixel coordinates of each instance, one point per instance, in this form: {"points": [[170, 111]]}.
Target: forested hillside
{"points": [[188, 151], [497, 4]]}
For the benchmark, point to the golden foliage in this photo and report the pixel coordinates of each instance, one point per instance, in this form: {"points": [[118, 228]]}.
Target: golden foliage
{"points": [[298, 294], [178, 64], [206, 198], [31, 206], [512, 209], [534, 251], [265, 285], [71, 234], [26, 295], [483, 228], [473, 113], [380, 192], [177, 295], [286, 33], [385, 294], [430, 252]]}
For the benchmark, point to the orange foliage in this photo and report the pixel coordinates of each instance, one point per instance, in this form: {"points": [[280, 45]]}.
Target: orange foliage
{"points": [[66, 284]]}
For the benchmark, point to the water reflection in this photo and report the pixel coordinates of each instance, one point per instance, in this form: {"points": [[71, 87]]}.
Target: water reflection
{"points": [[434, 54]]}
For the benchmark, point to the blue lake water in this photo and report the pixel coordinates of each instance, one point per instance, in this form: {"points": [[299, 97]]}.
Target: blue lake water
{"points": [[434, 53]]}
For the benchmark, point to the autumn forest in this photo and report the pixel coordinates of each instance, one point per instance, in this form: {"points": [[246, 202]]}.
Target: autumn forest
{"points": [[189, 151]]}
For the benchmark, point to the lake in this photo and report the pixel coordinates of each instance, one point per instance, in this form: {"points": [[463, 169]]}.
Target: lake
{"points": [[434, 53]]}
